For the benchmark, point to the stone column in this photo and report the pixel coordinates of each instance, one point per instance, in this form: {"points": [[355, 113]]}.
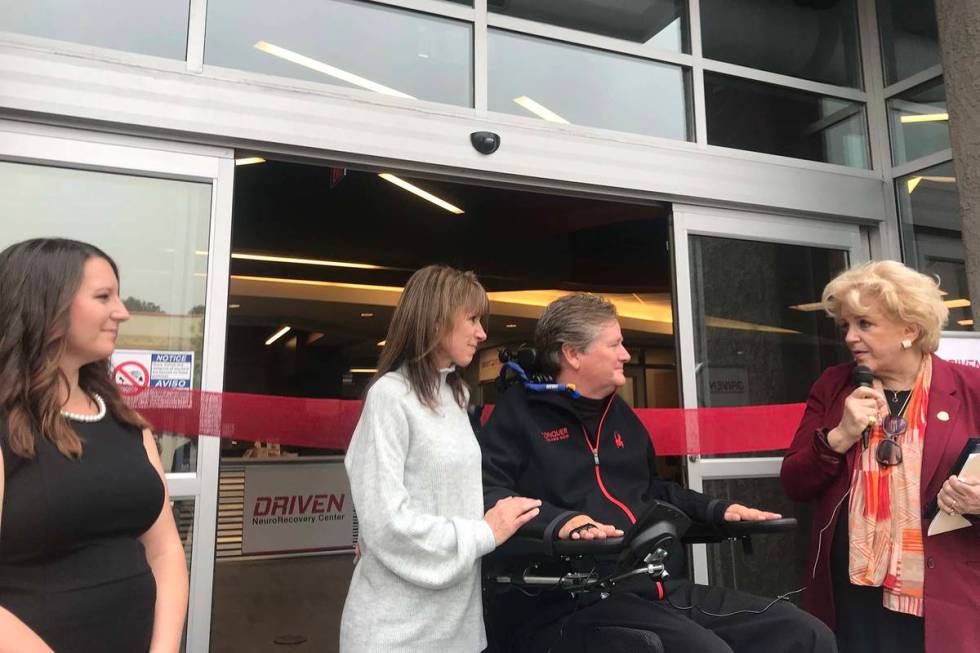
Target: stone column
{"points": [[959, 38]]}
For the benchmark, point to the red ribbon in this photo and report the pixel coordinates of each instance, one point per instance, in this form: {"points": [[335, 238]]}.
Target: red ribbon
{"points": [[329, 423]]}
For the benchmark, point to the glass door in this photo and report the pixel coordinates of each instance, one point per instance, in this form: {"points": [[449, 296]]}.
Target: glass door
{"points": [[752, 333], [162, 210]]}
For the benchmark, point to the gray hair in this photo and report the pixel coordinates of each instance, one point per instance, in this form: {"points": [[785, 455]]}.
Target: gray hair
{"points": [[575, 320]]}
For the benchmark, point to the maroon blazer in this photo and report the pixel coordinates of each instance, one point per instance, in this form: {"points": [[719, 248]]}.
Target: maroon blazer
{"points": [[812, 471]]}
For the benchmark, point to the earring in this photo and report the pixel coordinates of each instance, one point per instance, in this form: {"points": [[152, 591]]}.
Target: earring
{"points": [[906, 344]]}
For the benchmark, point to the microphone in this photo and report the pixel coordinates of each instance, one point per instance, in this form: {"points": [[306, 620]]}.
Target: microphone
{"points": [[863, 378]]}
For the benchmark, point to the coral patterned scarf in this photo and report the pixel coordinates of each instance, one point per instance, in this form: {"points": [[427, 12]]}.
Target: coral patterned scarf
{"points": [[884, 520]]}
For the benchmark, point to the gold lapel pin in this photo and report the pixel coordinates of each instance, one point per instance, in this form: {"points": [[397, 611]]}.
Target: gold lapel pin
{"points": [[943, 416]]}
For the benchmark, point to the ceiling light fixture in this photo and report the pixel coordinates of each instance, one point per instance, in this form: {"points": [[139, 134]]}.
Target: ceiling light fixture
{"points": [[415, 190], [914, 181], [957, 303], [367, 314], [965, 322], [249, 160], [243, 256], [278, 334], [924, 117], [539, 110], [363, 370], [327, 69], [234, 305], [510, 326], [381, 343]]}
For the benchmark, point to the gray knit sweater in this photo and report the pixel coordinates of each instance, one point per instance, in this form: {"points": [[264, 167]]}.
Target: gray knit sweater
{"points": [[415, 478]]}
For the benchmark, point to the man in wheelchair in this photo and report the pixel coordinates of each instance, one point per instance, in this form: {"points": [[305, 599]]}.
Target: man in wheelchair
{"points": [[578, 447]]}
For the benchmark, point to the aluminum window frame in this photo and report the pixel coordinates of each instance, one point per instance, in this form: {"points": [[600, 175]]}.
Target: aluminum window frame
{"points": [[85, 150], [690, 221]]}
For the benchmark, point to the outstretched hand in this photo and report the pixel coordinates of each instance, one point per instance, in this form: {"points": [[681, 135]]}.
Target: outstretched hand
{"points": [[583, 527], [738, 512]]}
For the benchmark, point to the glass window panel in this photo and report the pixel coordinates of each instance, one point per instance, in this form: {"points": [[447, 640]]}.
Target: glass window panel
{"points": [[919, 122], [909, 37], [750, 115], [143, 26], [817, 41], [929, 208], [353, 44], [572, 84], [659, 23], [777, 561], [157, 232], [759, 336]]}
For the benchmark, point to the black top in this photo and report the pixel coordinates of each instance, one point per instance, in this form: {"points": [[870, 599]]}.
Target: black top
{"points": [[69, 547]]}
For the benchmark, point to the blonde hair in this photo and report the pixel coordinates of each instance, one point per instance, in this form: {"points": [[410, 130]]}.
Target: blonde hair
{"points": [[903, 294], [425, 313]]}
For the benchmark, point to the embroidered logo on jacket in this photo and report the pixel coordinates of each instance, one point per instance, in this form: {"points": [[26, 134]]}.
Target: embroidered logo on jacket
{"points": [[555, 436], [618, 439]]}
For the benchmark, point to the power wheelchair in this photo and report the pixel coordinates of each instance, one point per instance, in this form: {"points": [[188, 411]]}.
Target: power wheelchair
{"points": [[592, 569]]}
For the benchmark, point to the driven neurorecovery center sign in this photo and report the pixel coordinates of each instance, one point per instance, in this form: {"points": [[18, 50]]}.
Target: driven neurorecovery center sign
{"points": [[294, 506]]}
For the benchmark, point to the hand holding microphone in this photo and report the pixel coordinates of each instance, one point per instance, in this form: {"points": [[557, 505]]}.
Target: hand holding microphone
{"points": [[861, 410]]}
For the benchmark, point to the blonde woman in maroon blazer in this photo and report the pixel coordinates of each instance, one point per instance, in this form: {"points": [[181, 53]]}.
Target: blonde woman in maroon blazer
{"points": [[873, 574]]}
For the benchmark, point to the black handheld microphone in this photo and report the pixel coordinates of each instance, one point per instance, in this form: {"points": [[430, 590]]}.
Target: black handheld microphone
{"points": [[863, 378]]}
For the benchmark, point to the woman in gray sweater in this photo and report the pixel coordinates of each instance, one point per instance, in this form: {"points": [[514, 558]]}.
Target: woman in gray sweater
{"points": [[415, 474]]}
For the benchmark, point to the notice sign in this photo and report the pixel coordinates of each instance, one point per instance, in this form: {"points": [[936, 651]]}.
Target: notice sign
{"points": [[294, 507], [135, 370]]}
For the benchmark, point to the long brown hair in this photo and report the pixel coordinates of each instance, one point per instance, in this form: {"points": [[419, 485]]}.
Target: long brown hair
{"points": [[425, 313], [39, 279]]}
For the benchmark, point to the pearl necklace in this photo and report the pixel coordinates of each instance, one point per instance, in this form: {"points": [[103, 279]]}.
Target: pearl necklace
{"points": [[78, 417]]}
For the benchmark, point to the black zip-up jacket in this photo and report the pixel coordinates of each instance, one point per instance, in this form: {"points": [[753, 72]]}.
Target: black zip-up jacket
{"points": [[535, 445]]}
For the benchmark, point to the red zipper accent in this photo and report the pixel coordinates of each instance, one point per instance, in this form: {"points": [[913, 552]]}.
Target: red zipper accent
{"points": [[598, 475]]}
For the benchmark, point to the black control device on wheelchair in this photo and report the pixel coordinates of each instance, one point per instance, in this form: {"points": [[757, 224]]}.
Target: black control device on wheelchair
{"points": [[533, 566]]}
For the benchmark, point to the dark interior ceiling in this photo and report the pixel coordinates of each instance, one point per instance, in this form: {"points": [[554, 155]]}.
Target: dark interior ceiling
{"points": [[513, 239]]}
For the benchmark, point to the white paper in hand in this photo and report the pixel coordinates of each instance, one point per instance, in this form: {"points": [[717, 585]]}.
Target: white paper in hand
{"points": [[943, 523]]}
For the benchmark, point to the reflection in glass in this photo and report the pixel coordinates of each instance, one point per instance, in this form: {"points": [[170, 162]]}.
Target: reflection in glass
{"points": [[777, 561], [143, 26], [157, 232], [817, 41], [919, 124], [564, 83], [658, 23], [909, 37], [932, 242], [354, 44], [750, 115], [760, 337]]}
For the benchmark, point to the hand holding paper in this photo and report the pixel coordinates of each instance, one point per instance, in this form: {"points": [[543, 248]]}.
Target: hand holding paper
{"points": [[959, 495]]}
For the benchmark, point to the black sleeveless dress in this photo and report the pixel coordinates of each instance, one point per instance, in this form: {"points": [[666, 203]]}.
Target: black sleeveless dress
{"points": [[71, 566]]}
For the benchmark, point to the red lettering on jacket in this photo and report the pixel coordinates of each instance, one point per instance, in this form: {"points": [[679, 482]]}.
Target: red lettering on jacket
{"points": [[556, 435]]}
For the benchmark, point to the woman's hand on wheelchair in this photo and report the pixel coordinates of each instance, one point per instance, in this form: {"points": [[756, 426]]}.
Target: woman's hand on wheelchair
{"points": [[583, 527], [509, 514], [738, 512]]}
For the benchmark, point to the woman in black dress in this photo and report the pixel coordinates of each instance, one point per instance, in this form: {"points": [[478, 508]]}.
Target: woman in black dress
{"points": [[90, 559]]}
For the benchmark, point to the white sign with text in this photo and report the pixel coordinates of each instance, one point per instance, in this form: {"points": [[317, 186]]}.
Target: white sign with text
{"points": [[294, 507]]}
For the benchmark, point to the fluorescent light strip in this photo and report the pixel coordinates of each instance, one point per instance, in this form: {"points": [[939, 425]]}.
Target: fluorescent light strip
{"points": [[957, 303], [925, 117], [278, 334], [539, 110], [415, 190], [305, 261], [363, 370], [249, 160], [311, 282], [913, 183], [965, 322], [327, 69]]}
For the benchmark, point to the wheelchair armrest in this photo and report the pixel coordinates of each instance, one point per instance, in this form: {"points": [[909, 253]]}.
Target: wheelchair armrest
{"points": [[700, 533], [522, 546]]}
